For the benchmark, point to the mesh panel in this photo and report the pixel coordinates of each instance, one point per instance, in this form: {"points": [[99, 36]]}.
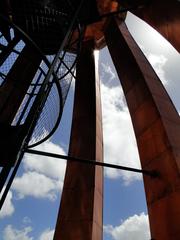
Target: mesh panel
{"points": [[46, 22], [7, 63], [50, 113], [56, 87], [51, 110], [3, 41]]}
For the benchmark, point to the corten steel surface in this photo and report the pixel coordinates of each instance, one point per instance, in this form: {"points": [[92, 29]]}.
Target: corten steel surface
{"points": [[157, 129], [96, 30], [80, 214], [164, 16]]}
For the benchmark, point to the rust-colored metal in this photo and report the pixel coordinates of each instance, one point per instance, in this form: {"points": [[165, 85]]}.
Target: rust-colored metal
{"points": [[164, 16], [157, 129], [161, 15], [80, 214], [95, 31]]}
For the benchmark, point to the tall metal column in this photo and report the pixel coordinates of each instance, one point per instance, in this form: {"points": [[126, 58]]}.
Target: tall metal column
{"points": [[80, 213], [157, 129]]}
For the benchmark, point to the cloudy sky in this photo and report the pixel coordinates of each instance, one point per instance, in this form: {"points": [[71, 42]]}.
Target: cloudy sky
{"points": [[31, 207]]}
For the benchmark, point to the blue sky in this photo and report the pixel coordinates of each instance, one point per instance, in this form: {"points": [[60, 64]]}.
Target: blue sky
{"points": [[31, 208]]}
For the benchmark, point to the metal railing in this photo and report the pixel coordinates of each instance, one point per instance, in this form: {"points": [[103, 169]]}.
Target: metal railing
{"points": [[47, 92]]}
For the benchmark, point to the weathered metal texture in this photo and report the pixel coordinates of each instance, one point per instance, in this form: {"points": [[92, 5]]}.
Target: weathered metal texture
{"points": [[164, 16], [80, 214], [157, 129], [95, 31]]}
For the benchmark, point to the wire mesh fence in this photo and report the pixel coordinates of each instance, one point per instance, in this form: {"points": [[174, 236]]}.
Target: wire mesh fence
{"points": [[58, 84]]}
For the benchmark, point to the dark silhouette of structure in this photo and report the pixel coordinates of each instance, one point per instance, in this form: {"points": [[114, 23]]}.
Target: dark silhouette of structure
{"points": [[41, 45]]}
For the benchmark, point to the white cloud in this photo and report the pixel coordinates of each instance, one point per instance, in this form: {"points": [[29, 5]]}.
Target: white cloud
{"points": [[107, 72], [47, 235], [8, 208], [156, 53], [158, 63], [135, 228], [36, 185], [119, 141], [51, 167], [43, 176], [11, 233], [26, 220]]}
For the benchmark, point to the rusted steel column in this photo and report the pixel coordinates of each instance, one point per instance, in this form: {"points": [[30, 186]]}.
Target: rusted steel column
{"points": [[80, 214], [164, 16], [157, 129]]}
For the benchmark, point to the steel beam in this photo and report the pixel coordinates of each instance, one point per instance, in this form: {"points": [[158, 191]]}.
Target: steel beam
{"points": [[93, 162], [157, 129], [80, 213]]}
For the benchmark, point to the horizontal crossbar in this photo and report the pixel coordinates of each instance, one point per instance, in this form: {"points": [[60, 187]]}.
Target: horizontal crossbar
{"points": [[152, 174]]}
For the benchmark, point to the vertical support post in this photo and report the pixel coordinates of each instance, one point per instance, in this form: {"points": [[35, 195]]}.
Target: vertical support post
{"points": [[157, 129], [80, 213]]}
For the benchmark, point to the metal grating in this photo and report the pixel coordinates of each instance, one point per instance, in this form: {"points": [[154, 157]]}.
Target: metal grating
{"points": [[52, 107], [45, 22], [58, 84], [48, 117]]}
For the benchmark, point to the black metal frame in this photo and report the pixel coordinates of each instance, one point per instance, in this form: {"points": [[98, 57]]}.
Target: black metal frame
{"points": [[37, 106], [28, 40], [57, 79]]}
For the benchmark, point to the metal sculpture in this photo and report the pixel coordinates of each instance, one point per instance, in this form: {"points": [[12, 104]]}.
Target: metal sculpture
{"points": [[42, 43]]}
